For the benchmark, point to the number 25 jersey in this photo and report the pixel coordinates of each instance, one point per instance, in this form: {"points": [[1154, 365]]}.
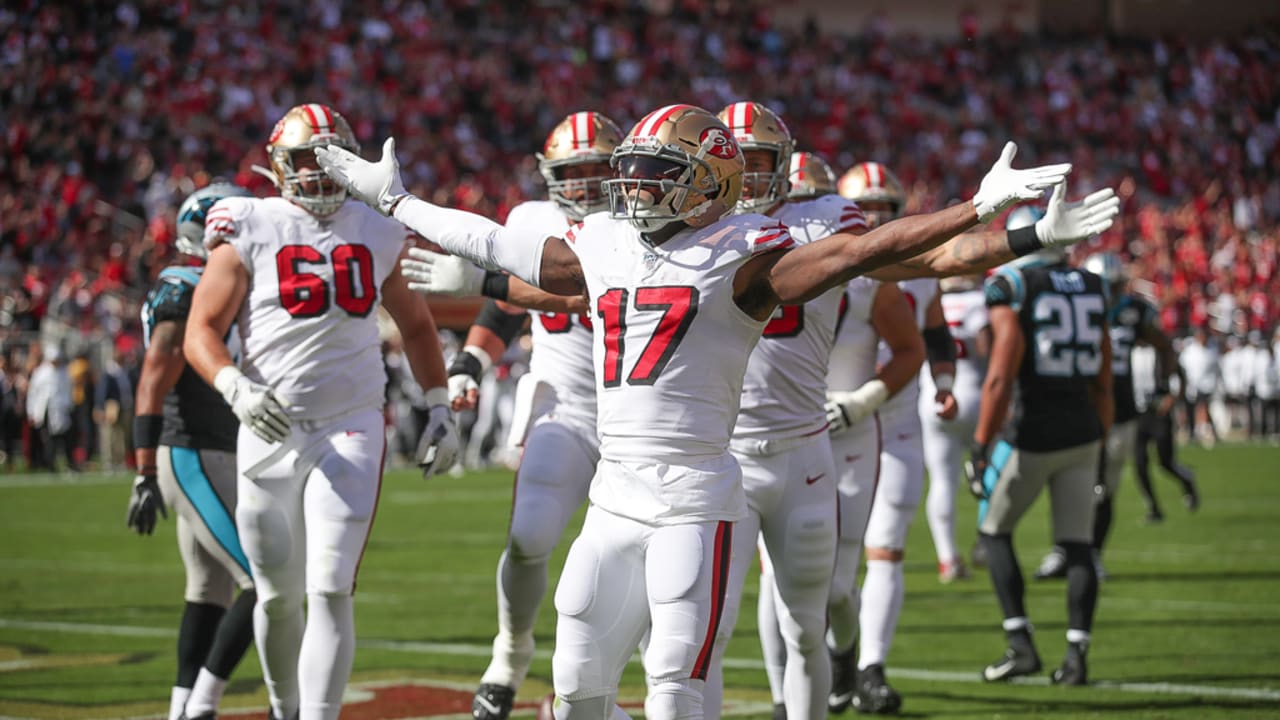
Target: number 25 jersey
{"points": [[1062, 313], [308, 325]]}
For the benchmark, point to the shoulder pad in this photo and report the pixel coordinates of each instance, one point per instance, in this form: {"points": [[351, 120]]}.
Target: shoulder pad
{"points": [[1005, 287], [226, 220]]}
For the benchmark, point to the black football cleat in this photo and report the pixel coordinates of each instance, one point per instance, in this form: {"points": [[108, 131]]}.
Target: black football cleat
{"points": [[492, 702], [844, 679], [779, 712], [873, 695], [1191, 497], [1020, 658], [1074, 670]]}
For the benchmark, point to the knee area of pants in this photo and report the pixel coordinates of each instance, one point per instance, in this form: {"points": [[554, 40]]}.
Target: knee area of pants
{"points": [[674, 699], [532, 539], [265, 535], [277, 606], [209, 589]]}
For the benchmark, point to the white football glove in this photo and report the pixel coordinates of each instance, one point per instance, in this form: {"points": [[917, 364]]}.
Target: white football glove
{"points": [[378, 185], [1002, 186], [846, 409], [438, 447], [255, 405], [1066, 223], [435, 273]]}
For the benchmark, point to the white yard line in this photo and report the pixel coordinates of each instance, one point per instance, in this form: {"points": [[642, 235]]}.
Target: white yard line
{"points": [[469, 650]]}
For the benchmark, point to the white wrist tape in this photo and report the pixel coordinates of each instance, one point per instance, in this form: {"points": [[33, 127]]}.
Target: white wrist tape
{"points": [[872, 394], [944, 382], [226, 379], [437, 396], [476, 238]]}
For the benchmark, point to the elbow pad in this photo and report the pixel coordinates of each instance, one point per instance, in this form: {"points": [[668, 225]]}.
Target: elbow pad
{"points": [[503, 324], [474, 237], [938, 344]]}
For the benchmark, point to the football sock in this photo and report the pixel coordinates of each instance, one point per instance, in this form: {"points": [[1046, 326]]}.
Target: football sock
{"points": [[178, 701], [279, 638], [195, 637], [1101, 523], [881, 605], [521, 586], [235, 633], [206, 694], [328, 648], [1082, 586], [1078, 637], [1006, 575], [771, 644], [940, 510], [842, 614]]}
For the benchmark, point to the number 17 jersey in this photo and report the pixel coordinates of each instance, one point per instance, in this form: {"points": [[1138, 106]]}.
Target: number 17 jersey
{"points": [[308, 325]]}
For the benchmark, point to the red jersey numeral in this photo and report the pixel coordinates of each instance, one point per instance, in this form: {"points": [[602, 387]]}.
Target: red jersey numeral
{"points": [[678, 305], [555, 323], [788, 322], [306, 294]]}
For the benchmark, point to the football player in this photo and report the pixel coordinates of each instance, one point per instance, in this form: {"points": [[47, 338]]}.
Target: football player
{"points": [[185, 440], [900, 472], [1130, 320], [301, 276], [1049, 338], [556, 403], [680, 296], [1156, 397], [779, 436]]}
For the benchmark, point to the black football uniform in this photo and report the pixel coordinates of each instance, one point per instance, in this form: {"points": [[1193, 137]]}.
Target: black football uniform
{"points": [[1129, 318]]}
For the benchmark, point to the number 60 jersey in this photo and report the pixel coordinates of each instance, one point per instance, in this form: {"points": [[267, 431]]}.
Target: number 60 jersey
{"points": [[308, 325]]}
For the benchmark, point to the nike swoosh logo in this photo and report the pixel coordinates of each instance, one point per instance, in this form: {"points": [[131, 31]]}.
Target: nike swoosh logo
{"points": [[488, 705], [904, 436], [839, 699], [851, 458], [998, 671], [814, 479]]}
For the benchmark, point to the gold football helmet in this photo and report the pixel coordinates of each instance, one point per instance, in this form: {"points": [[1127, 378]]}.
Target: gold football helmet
{"points": [[292, 151], [811, 177], [756, 127], [580, 140], [678, 164], [876, 190]]}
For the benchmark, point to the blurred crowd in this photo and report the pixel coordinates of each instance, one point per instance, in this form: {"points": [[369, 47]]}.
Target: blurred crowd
{"points": [[114, 111]]}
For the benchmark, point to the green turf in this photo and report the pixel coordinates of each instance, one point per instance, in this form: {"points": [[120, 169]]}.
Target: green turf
{"points": [[1192, 602]]}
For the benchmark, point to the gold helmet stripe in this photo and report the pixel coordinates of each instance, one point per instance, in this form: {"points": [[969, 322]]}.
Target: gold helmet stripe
{"points": [[654, 120]]}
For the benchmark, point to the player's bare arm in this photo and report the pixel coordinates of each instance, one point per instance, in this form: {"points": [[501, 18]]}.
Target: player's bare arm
{"points": [[417, 327], [434, 273], [161, 367], [893, 321], [214, 307], [940, 349], [1100, 395], [1007, 348]]}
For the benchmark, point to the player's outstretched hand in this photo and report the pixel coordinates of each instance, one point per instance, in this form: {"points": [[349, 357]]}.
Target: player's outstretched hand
{"points": [[438, 446], [255, 405], [1065, 223], [143, 504], [1002, 186], [378, 185], [435, 273], [468, 366]]}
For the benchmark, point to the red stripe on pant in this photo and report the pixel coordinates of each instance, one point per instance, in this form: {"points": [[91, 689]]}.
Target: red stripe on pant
{"points": [[719, 585]]}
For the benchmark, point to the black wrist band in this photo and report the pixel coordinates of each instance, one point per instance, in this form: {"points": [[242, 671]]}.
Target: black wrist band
{"points": [[1024, 241], [496, 285], [938, 344], [464, 363], [146, 431]]}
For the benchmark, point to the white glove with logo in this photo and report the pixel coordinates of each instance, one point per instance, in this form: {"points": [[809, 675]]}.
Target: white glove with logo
{"points": [[255, 405], [435, 273], [846, 409], [438, 447], [378, 185], [1002, 186], [1066, 223]]}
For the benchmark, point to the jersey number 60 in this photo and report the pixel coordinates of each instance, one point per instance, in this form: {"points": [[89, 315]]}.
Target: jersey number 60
{"points": [[306, 294]]}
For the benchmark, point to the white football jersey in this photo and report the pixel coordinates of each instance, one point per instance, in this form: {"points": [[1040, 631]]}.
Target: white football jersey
{"points": [[561, 343], [670, 350], [308, 325], [966, 315], [786, 381], [853, 357], [905, 405]]}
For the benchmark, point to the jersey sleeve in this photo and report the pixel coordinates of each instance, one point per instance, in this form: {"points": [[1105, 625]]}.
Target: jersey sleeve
{"points": [[228, 221], [849, 217], [1006, 287], [170, 299], [770, 237], [975, 318]]}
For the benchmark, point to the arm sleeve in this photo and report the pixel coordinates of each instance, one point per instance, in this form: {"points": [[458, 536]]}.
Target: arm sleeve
{"points": [[999, 290], [476, 238]]}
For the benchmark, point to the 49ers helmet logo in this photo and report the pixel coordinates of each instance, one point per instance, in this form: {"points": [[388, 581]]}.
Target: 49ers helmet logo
{"points": [[722, 145]]}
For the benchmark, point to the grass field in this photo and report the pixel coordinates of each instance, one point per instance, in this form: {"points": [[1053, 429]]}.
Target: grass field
{"points": [[1188, 623]]}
